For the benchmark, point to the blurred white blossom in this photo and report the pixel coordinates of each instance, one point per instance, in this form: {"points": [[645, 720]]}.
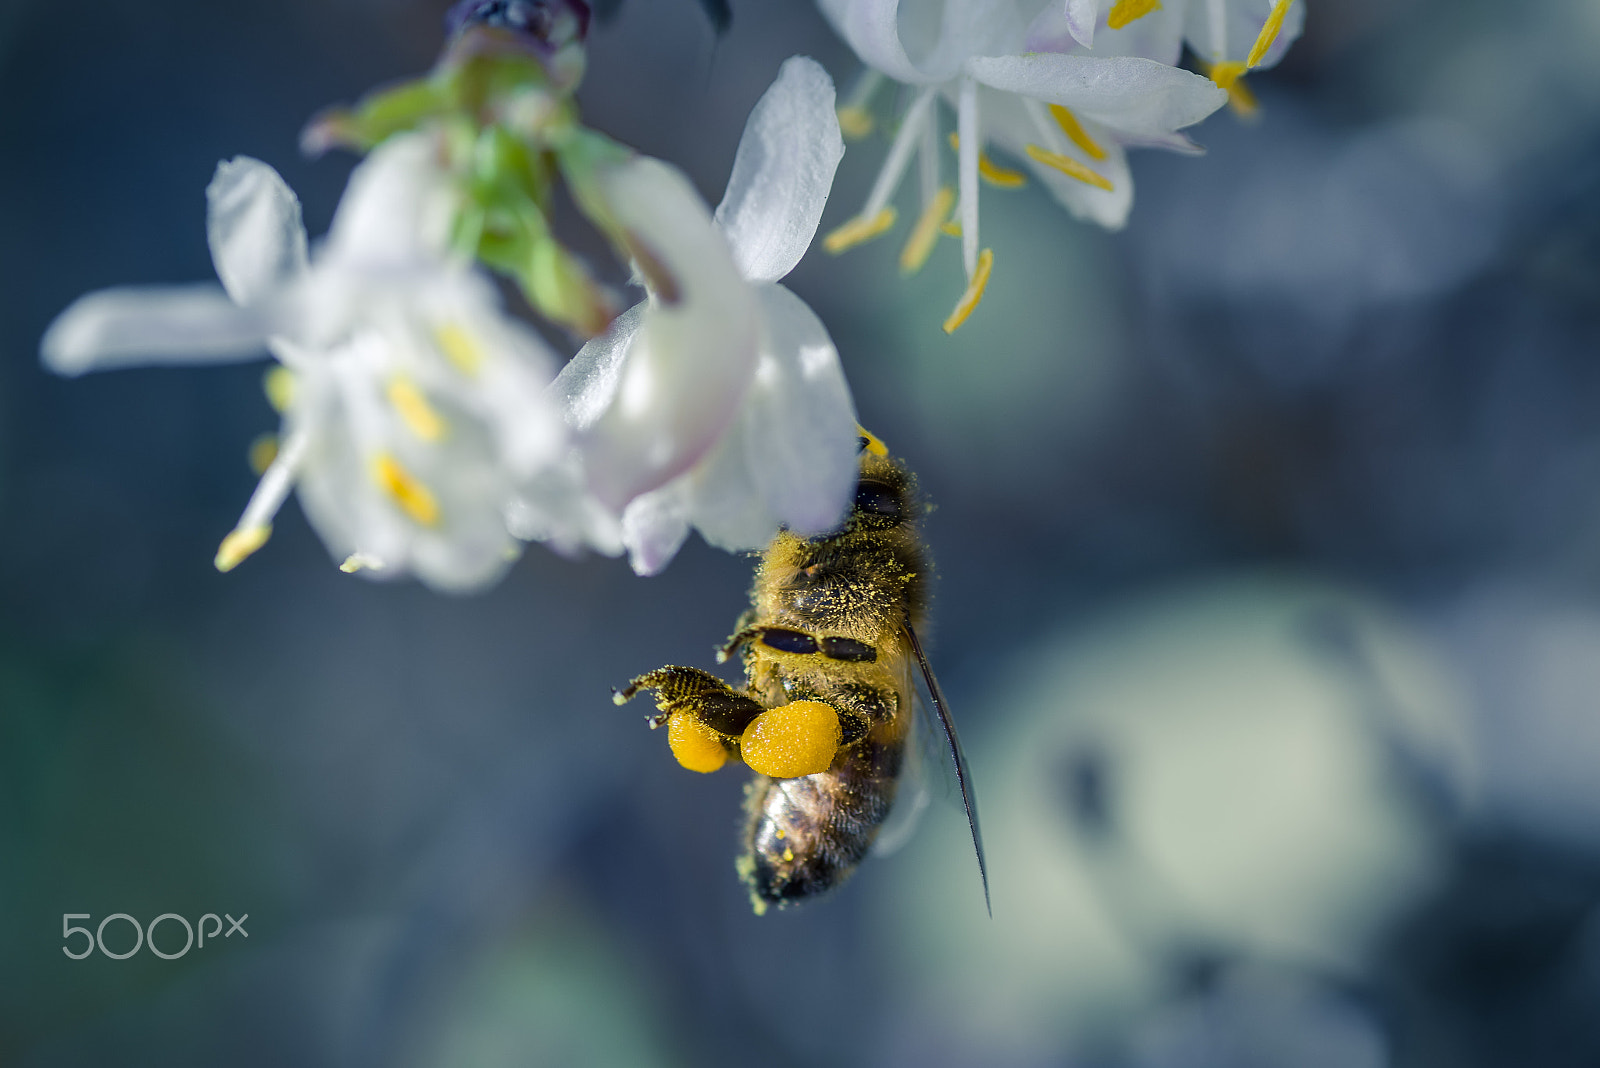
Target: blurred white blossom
{"points": [[719, 402], [412, 405]]}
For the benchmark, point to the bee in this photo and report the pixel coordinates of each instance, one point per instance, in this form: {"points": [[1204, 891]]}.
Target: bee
{"points": [[829, 646]]}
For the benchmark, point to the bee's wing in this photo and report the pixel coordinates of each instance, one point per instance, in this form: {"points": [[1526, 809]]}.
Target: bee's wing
{"points": [[969, 800], [912, 794]]}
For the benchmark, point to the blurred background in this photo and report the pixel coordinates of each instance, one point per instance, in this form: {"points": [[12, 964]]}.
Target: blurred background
{"points": [[1268, 535]]}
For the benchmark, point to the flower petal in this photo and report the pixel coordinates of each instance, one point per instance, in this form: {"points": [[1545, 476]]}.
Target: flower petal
{"points": [[1013, 123], [790, 459], [922, 42], [1081, 16], [433, 509], [586, 386], [782, 173], [799, 421], [258, 242], [654, 527], [1227, 29], [1129, 93], [398, 207], [133, 326], [690, 359]]}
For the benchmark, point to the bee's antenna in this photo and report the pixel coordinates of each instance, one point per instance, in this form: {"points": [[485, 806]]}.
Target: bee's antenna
{"points": [[963, 776]]}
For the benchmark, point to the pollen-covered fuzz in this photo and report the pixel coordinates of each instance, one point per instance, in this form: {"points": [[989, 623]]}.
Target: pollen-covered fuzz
{"points": [[412, 405], [1063, 87], [719, 402]]}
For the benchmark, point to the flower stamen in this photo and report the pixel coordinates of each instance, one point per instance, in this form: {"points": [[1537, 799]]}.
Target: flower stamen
{"points": [[877, 216], [415, 499], [359, 561], [975, 287], [1269, 32], [926, 232], [1075, 132], [1226, 73], [459, 348], [239, 544], [418, 415], [1126, 11], [855, 121], [992, 172], [967, 173], [278, 385], [263, 451], [1068, 166], [859, 230]]}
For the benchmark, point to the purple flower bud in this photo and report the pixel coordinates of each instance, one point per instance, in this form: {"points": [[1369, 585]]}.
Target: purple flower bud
{"points": [[547, 25]]}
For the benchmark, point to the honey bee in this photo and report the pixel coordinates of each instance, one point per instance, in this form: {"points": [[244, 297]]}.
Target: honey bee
{"points": [[826, 713]]}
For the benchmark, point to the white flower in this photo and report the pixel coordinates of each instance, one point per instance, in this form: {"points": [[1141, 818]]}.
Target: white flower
{"points": [[1067, 114], [1230, 37], [745, 393], [412, 406]]}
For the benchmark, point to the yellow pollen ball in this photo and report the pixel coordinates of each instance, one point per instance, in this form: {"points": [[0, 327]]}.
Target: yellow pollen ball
{"points": [[415, 499], [697, 747], [791, 740]]}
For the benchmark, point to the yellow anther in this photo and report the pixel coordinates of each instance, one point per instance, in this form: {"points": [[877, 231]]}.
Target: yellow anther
{"points": [[263, 451], [415, 411], [415, 499], [991, 171], [975, 287], [1269, 33], [858, 230], [788, 855], [697, 747], [460, 348], [923, 235], [874, 444], [951, 228], [791, 740], [1069, 167], [855, 122], [1126, 11], [360, 562], [1225, 74], [1242, 100], [278, 384], [1076, 133], [239, 544]]}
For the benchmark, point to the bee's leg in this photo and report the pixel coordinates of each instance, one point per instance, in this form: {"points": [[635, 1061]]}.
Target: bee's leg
{"points": [[704, 715], [744, 632]]}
